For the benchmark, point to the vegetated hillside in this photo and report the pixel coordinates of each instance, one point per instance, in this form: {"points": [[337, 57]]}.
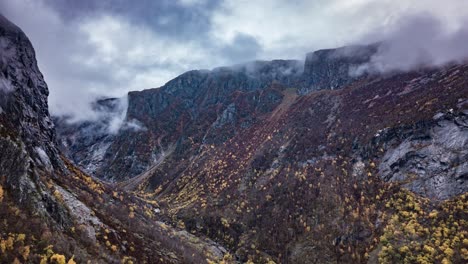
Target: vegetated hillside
{"points": [[319, 167], [373, 172], [50, 212]]}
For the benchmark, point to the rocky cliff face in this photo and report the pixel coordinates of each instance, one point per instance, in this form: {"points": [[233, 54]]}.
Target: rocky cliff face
{"points": [[27, 130], [350, 175], [431, 159], [334, 68]]}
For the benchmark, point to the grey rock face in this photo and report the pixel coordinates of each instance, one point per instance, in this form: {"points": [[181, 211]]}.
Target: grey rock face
{"points": [[85, 143], [14, 166], [434, 161], [81, 213], [227, 117], [27, 131], [198, 89], [24, 92], [333, 68], [27, 134]]}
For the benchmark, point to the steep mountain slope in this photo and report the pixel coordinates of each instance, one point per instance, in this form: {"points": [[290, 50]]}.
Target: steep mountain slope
{"points": [[312, 166], [307, 183], [50, 212], [195, 107]]}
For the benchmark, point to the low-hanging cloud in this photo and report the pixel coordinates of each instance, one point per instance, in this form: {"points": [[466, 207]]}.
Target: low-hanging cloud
{"points": [[97, 56], [412, 32], [109, 116], [415, 41], [134, 125], [103, 53], [91, 49]]}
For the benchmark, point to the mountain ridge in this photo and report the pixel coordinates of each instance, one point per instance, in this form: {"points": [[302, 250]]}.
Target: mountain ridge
{"points": [[223, 167], [211, 88]]}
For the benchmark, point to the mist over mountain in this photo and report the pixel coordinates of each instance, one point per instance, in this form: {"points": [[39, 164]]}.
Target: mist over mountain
{"points": [[418, 41], [89, 50], [353, 153]]}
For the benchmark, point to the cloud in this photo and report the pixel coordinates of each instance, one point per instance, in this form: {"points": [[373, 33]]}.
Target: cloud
{"points": [[89, 49], [242, 48], [100, 54], [415, 41], [288, 29], [191, 2], [113, 116], [134, 125]]}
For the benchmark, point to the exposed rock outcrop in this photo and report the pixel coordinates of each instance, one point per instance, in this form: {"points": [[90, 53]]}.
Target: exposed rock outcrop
{"points": [[27, 133], [432, 160], [334, 68]]}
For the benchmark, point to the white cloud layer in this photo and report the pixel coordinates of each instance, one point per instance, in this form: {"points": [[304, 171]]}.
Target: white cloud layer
{"points": [[418, 41], [290, 28], [104, 53]]}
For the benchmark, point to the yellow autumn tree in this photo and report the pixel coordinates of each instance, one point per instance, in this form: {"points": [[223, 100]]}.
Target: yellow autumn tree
{"points": [[57, 258]]}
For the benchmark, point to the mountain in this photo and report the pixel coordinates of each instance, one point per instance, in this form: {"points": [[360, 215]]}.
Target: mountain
{"points": [[265, 162], [50, 211], [195, 107], [292, 163]]}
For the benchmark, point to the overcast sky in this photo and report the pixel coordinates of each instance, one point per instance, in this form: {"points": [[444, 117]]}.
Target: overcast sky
{"points": [[91, 48]]}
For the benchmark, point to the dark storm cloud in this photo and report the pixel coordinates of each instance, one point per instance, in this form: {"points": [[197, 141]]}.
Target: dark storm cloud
{"points": [[170, 17], [243, 48]]}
